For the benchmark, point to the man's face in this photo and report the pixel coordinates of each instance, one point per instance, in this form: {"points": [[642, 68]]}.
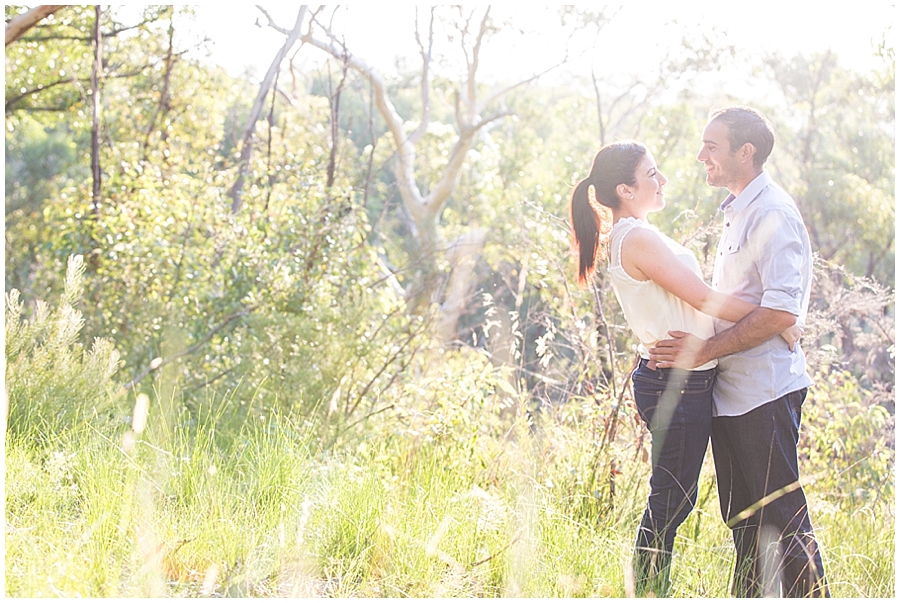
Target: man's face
{"points": [[722, 165]]}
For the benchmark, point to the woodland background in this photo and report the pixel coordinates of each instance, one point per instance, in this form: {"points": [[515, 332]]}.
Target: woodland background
{"points": [[318, 333]]}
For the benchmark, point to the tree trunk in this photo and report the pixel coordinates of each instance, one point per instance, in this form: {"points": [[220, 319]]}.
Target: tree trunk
{"points": [[256, 111], [424, 209], [17, 26], [95, 126], [462, 255]]}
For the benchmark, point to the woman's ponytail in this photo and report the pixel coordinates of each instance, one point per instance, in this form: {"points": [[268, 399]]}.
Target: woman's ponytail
{"points": [[593, 200], [586, 229]]}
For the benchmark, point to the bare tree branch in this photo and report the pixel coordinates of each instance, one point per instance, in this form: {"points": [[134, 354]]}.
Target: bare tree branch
{"points": [[471, 80], [512, 87], [10, 104], [406, 151], [271, 123], [109, 34], [334, 103], [164, 101], [425, 85], [96, 172], [17, 26], [271, 22], [256, 110]]}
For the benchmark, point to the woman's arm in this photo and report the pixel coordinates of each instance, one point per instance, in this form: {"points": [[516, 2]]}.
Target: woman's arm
{"points": [[645, 256]]}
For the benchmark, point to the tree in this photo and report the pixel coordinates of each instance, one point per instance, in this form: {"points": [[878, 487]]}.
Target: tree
{"points": [[836, 156], [474, 110], [250, 129]]}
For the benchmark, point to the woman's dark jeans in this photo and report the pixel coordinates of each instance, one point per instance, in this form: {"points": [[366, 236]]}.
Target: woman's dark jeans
{"points": [[676, 406]]}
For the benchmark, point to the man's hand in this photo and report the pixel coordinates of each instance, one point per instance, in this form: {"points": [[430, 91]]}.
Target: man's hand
{"points": [[684, 351], [792, 336]]}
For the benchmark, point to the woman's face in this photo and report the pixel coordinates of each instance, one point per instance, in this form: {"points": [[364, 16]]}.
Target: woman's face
{"points": [[648, 187]]}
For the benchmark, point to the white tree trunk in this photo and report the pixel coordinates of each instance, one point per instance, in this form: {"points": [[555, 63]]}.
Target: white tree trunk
{"points": [[462, 255], [425, 209]]}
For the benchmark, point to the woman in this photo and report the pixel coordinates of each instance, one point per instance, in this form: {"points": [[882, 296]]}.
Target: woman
{"points": [[659, 286]]}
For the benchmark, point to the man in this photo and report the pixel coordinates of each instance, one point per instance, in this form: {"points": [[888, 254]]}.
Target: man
{"points": [[763, 257]]}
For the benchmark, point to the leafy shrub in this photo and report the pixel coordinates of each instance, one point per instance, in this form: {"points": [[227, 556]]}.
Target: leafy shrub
{"points": [[53, 382], [847, 441]]}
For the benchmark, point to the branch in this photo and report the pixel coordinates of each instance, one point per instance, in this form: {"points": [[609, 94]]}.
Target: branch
{"points": [[22, 23], [334, 104], [444, 188], [96, 74], [160, 362], [607, 333], [471, 84], [43, 87], [508, 89], [54, 38], [256, 110], [110, 34], [492, 118], [436, 198], [406, 151], [10, 104], [271, 22], [164, 105], [425, 85]]}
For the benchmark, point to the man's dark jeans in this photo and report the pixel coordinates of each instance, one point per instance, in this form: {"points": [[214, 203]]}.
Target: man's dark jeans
{"points": [[762, 502], [676, 405]]}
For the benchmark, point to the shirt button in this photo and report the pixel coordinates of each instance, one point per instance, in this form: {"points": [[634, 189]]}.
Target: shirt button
{"points": [[727, 223]]}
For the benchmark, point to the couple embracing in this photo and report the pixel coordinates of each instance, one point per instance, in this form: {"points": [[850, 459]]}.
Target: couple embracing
{"points": [[721, 363]]}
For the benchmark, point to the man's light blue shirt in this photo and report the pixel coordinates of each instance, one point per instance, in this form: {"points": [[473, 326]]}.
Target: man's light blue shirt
{"points": [[764, 257]]}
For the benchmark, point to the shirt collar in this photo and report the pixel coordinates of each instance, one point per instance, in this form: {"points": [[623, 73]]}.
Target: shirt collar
{"points": [[747, 195]]}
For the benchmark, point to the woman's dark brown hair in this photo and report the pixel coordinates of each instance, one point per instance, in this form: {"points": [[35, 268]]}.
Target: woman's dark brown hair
{"points": [[591, 220]]}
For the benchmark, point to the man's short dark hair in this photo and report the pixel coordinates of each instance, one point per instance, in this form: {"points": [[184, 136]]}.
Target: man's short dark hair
{"points": [[747, 125]]}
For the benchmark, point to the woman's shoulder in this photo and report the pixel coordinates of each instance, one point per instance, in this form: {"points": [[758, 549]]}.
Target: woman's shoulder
{"points": [[629, 223], [635, 230]]}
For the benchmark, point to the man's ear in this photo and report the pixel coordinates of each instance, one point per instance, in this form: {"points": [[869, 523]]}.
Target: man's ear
{"points": [[747, 151]]}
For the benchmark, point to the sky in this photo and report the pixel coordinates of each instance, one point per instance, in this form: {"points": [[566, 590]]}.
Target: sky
{"points": [[639, 36]]}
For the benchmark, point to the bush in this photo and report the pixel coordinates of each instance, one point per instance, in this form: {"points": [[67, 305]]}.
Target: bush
{"points": [[846, 442], [53, 383]]}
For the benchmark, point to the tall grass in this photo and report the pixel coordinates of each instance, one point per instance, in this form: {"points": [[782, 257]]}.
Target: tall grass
{"points": [[262, 516], [461, 490]]}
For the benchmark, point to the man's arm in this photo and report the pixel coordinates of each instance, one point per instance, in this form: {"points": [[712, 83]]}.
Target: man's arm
{"points": [[689, 351]]}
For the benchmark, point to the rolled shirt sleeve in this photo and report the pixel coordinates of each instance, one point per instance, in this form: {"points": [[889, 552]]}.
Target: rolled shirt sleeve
{"points": [[779, 250]]}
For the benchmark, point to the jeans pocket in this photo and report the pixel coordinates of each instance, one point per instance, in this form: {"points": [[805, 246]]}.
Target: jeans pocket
{"points": [[698, 382], [647, 392]]}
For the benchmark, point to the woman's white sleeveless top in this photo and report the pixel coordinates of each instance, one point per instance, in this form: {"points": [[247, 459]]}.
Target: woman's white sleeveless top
{"points": [[650, 310]]}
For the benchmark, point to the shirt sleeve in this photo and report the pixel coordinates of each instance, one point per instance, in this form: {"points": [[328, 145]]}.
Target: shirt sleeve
{"points": [[777, 243]]}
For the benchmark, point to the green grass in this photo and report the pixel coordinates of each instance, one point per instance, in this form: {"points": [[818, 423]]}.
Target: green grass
{"points": [[252, 508]]}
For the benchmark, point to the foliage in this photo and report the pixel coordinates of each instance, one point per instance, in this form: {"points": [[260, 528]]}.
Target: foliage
{"points": [[53, 382], [840, 148], [288, 284], [35, 157], [850, 329], [849, 448]]}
